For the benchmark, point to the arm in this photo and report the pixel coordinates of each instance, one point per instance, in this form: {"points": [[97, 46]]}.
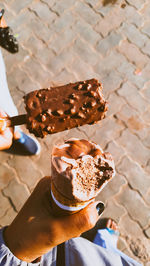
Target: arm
{"points": [[36, 230]]}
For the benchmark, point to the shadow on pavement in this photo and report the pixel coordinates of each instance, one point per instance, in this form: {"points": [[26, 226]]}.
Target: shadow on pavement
{"points": [[15, 150]]}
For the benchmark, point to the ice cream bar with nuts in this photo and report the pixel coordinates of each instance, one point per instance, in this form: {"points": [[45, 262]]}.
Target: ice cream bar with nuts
{"points": [[56, 109]]}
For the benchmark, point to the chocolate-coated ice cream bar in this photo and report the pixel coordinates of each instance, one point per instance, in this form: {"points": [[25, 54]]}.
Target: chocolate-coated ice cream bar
{"points": [[56, 109]]}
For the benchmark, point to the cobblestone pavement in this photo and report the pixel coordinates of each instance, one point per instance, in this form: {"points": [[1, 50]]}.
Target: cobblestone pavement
{"points": [[70, 40]]}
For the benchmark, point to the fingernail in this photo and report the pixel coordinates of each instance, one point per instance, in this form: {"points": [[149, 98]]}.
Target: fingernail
{"points": [[100, 207]]}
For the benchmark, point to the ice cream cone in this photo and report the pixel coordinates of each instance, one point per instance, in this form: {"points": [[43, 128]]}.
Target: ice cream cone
{"points": [[80, 169], [63, 206]]}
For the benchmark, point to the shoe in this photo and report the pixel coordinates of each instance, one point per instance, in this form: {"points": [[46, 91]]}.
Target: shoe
{"points": [[7, 39], [27, 145]]}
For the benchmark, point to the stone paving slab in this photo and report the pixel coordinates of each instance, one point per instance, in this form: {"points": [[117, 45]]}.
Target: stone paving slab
{"points": [[70, 40]]}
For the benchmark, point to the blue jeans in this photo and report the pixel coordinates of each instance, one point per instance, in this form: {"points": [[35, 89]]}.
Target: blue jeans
{"points": [[6, 101], [107, 239]]}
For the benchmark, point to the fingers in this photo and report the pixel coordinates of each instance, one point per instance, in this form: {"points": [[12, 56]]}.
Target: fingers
{"points": [[6, 134], [74, 225], [2, 121], [2, 125], [6, 139], [2, 21]]}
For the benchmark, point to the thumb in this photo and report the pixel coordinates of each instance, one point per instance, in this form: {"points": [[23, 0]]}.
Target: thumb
{"points": [[2, 125], [75, 224], [2, 121]]}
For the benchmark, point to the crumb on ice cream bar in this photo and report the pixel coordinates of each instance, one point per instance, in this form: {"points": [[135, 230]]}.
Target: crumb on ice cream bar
{"points": [[80, 170], [60, 108]]}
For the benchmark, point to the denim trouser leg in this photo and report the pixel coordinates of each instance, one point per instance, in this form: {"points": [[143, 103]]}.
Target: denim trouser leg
{"points": [[6, 101], [107, 240]]}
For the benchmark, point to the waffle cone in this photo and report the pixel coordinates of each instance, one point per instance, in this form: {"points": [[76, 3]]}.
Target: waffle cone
{"points": [[64, 206]]}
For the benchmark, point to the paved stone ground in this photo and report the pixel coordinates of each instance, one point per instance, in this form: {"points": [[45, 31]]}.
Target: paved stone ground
{"points": [[70, 40]]}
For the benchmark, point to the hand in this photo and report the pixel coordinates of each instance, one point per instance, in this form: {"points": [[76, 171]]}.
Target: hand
{"points": [[36, 230], [2, 21], [6, 134]]}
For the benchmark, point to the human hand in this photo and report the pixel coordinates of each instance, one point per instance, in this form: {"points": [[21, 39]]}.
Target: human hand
{"points": [[2, 21], [36, 230], [6, 134]]}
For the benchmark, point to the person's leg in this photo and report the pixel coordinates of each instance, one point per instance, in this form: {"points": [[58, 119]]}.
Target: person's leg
{"points": [[107, 233], [108, 237], [6, 102], [26, 144]]}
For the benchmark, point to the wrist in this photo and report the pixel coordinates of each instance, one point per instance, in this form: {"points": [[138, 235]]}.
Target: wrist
{"points": [[17, 246], [13, 243], [37, 260], [10, 240]]}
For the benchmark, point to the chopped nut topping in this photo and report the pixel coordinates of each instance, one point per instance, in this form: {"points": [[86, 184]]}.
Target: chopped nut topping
{"points": [[80, 87], [80, 114], [52, 128], [83, 108], [71, 101], [39, 94], [57, 112], [49, 111], [73, 96], [60, 112], [89, 87], [62, 119], [99, 92], [49, 128], [93, 93], [33, 124], [73, 110], [93, 103], [43, 118]]}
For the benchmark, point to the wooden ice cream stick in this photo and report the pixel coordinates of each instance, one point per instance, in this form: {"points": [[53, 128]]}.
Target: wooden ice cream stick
{"points": [[12, 121]]}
